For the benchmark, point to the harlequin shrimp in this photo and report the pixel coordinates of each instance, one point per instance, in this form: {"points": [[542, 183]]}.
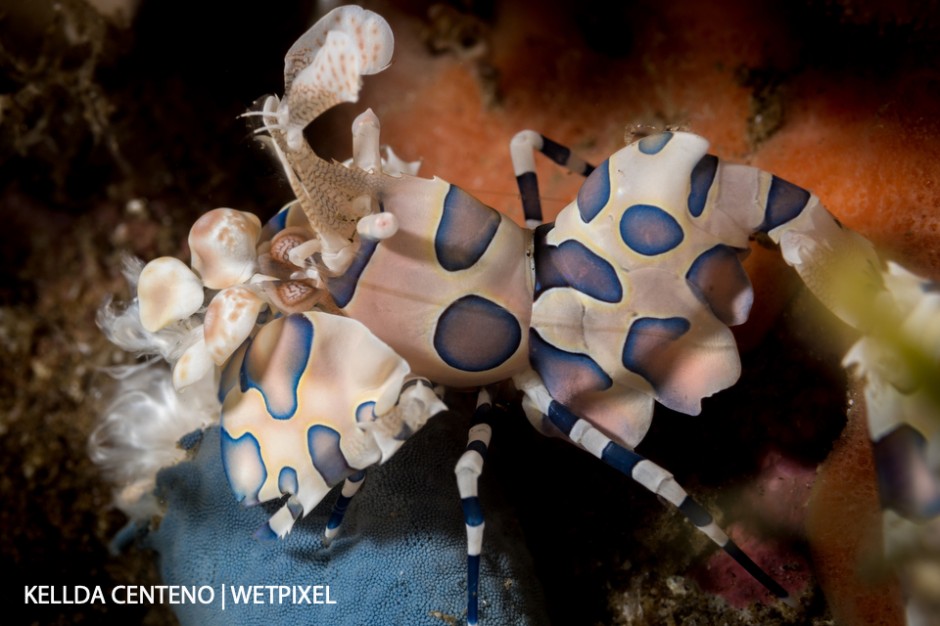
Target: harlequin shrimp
{"points": [[332, 328]]}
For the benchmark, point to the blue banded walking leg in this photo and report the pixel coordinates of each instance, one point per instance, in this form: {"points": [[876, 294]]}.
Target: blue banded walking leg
{"points": [[350, 488], [468, 471], [655, 478], [522, 148]]}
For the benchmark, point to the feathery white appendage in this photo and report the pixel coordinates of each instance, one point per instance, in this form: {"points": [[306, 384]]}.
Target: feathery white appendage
{"points": [[147, 416], [140, 428]]}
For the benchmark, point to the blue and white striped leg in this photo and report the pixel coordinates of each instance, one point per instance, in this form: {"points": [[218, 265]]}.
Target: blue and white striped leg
{"points": [[468, 471], [655, 478], [523, 147], [350, 488]]}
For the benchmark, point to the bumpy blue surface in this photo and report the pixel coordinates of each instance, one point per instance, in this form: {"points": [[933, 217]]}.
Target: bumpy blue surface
{"points": [[400, 558]]}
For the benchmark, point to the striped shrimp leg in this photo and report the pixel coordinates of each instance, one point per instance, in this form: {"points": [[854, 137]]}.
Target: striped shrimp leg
{"points": [[539, 405], [350, 488], [522, 148], [468, 471]]}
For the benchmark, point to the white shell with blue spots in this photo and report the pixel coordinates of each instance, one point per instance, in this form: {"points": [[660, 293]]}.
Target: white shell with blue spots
{"points": [[631, 296], [296, 407], [451, 291], [661, 337]]}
